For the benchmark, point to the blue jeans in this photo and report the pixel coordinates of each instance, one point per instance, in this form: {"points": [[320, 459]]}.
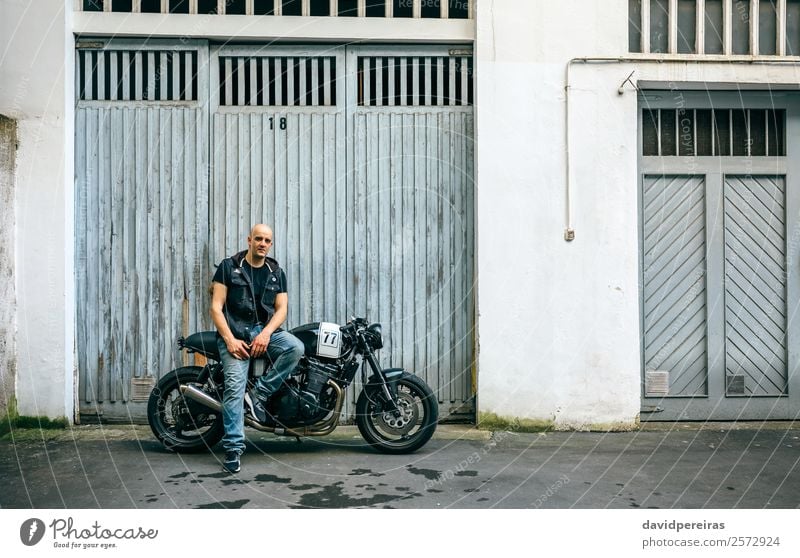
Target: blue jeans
{"points": [[283, 352]]}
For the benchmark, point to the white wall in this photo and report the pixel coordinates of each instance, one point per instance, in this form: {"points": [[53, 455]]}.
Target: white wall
{"points": [[558, 321], [36, 91]]}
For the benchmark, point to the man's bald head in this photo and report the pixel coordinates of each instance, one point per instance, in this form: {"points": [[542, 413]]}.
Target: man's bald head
{"points": [[259, 243]]}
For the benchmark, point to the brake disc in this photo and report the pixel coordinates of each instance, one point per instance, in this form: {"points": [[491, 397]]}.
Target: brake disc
{"points": [[403, 423]]}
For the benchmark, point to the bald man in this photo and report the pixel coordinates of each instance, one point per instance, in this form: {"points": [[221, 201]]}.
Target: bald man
{"points": [[248, 305]]}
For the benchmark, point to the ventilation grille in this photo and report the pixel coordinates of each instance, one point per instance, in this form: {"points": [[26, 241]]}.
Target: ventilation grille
{"points": [[141, 388], [277, 81], [125, 75], [717, 132], [415, 81], [656, 383], [715, 27], [443, 9]]}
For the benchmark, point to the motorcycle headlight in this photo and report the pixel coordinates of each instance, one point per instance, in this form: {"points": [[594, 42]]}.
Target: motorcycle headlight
{"points": [[376, 337]]}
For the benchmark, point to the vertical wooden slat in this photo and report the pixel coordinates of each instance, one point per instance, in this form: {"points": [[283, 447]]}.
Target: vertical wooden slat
{"points": [[408, 341], [440, 93], [254, 85], [160, 276], [228, 78], [82, 161], [396, 249], [242, 155], [290, 84], [781, 31], [384, 223], [329, 216], [367, 79], [469, 268], [645, 26], [432, 283], [240, 82], [328, 77], [138, 77], [404, 81], [420, 210], [727, 26], [295, 230], [104, 256], [672, 27], [459, 257], [151, 75], [417, 9], [175, 94], [390, 91], [465, 77], [116, 246], [315, 100], [233, 236], [445, 257], [415, 85], [427, 62], [126, 76], [451, 94], [754, 30], [700, 18], [302, 82], [114, 76], [162, 75], [278, 77]]}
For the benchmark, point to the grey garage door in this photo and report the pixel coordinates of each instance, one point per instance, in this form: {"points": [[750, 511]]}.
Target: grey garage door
{"points": [[361, 159], [719, 277]]}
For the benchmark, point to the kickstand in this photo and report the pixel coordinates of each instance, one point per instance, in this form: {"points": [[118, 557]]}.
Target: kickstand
{"points": [[299, 441]]}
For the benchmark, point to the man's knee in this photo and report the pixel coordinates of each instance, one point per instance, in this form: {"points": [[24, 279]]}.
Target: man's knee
{"points": [[297, 348]]}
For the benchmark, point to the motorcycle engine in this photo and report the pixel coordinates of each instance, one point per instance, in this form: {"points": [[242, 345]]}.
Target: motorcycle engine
{"points": [[301, 402]]}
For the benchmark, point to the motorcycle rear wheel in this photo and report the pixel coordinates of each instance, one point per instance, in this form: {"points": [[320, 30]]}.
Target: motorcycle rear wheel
{"points": [[171, 418], [389, 433]]}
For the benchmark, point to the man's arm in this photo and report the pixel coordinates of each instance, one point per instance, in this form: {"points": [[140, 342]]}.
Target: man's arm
{"points": [[261, 342], [236, 347]]}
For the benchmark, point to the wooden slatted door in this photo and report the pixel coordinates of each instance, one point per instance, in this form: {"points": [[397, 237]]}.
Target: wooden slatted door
{"points": [[719, 264], [362, 162], [412, 236], [141, 218]]}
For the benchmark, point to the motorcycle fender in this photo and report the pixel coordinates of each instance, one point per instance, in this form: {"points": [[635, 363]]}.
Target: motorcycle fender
{"points": [[374, 386]]}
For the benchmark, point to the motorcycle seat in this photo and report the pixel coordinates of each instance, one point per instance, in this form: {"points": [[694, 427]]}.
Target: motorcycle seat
{"points": [[203, 342]]}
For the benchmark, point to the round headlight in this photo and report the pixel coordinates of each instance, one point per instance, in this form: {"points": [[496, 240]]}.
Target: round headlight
{"points": [[376, 335]]}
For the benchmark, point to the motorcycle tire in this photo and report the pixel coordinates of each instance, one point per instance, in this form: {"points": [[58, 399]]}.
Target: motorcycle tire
{"points": [[170, 417], [388, 433]]}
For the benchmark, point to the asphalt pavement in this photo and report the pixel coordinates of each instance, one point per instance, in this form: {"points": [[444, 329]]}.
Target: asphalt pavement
{"points": [[660, 466]]}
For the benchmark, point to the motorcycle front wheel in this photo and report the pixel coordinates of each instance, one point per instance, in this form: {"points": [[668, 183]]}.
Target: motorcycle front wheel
{"points": [[179, 423], [404, 432]]}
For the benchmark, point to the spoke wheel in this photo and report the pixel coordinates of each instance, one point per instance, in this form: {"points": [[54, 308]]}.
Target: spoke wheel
{"points": [[179, 423]]}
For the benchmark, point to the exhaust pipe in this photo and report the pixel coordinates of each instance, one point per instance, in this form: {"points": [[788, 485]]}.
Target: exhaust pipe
{"points": [[321, 428], [198, 395]]}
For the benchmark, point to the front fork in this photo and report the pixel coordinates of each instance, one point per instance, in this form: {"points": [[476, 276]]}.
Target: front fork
{"points": [[380, 381]]}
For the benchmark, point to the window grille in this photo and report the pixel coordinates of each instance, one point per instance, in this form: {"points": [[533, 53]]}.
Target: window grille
{"points": [[136, 75], [714, 132], [715, 27], [424, 9], [277, 81], [415, 81]]}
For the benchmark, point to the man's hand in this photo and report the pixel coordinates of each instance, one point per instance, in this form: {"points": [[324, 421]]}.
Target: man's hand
{"points": [[260, 343], [238, 348]]}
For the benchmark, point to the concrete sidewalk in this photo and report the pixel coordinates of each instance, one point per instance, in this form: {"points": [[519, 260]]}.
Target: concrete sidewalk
{"points": [[662, 465]]}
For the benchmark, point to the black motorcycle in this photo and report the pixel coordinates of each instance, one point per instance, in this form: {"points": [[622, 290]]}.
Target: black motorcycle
{"points": [[396, 411]]}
